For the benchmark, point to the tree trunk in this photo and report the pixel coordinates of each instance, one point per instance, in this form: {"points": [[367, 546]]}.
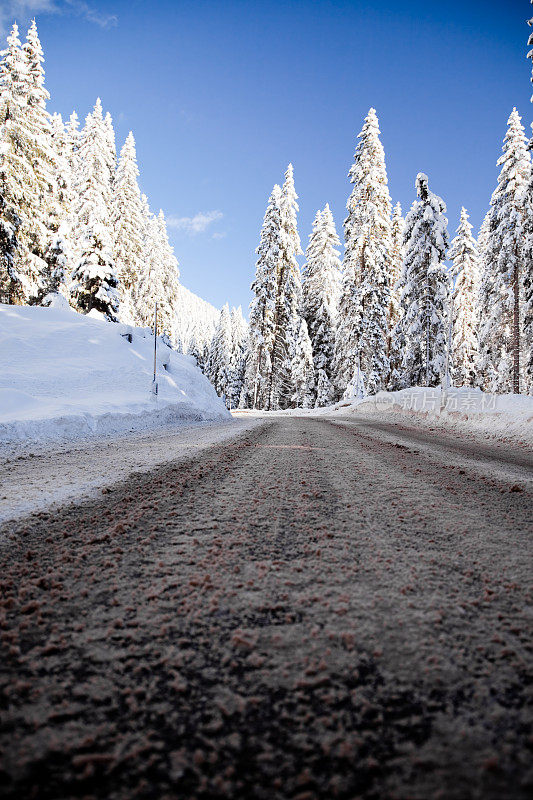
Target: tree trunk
{"points": [[516, 326]]}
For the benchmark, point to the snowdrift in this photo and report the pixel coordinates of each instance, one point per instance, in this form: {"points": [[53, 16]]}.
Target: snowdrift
{"points": [[66, 376], [507, 416], [493, 416]]}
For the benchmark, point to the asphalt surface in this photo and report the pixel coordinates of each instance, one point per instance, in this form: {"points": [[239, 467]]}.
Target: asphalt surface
{"points": [[314, 609]]}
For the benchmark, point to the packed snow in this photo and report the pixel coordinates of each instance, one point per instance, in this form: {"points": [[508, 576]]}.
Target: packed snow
{"points": [[66, 376]]}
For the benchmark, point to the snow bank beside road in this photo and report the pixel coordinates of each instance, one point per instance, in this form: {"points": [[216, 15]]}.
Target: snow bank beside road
{"points": [[66, 376], [506, 416], [494, 416]]}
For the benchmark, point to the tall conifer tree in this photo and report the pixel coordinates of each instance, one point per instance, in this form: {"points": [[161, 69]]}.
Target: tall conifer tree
{"points": [[94, 277], [321, 288], [393, 312], [528, 273], [239, 336], [258, 376], [26, 161], [506, 267], [421, 331], [362, 326], [288, 299], [466, 272], [128, 229]]}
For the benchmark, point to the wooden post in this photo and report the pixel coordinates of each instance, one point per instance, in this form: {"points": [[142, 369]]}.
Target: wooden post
{"points": [[154, 382]]}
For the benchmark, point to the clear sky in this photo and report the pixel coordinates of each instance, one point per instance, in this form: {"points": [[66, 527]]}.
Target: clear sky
{"points": [[221, 95]]}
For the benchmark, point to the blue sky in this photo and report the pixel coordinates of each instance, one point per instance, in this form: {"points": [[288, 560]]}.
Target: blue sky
{"points": [[222, 95]]}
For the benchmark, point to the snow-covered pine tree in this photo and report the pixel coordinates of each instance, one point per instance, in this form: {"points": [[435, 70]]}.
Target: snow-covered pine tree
{"points": [[73, 140], [94, 280], [24, 162], [58, 255], [288, 300], [10, 283], [302, 371], [219, 364], [48, 243], [484, 371], [528, 273], [158, 276], [239, 338], [170, 279], [321, 289], [425, 285], [362, 323], [111, 150], [72, 146], [128, 230], [505, 267], [11, 96], [393, 314], [199, 349], [258, 375], [466, 273], [149, 289]]}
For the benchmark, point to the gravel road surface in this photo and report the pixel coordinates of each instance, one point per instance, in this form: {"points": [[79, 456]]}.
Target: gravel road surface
{"points": [[315, 609]]}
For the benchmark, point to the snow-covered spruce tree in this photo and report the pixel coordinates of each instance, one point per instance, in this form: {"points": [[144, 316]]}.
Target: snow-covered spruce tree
{"points": [[73, 141], [170, 279], [94, 280], [466, 273], [321, 288], [239, 337], [54, 277], [288, 309], [258, 375], [425, 287], [393, 313], [72, 146], [505, 266], [219, 364], [362, 323], [484, 371], [199, 349], [16, 171], [527, 342], [302, 371], [10, 283], [128, 230], [48, 243], [158, 276], [111, 150], [25, 155], [150, 288]]}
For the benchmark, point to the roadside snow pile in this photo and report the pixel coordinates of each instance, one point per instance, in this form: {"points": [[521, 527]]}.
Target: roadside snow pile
{"points": [[501, 416], [67, 376]]}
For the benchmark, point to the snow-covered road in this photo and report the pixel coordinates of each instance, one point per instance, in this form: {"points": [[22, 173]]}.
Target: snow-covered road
{"points": [[317, 608]]}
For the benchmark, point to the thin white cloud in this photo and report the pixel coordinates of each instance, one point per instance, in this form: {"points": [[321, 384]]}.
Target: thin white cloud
{"points": [[194, 225], [83, 9], [22, 10], [19, 10], [221, 235]]}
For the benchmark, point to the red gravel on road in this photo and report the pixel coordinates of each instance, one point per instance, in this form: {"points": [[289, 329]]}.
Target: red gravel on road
{"points": [[310, 611]]}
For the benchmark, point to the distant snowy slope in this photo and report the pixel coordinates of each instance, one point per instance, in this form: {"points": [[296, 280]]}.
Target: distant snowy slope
{"points": [[194, 317], [64, 375]]}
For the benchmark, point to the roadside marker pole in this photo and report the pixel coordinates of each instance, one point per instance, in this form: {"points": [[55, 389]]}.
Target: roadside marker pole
{"points": [[154, 382]]}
